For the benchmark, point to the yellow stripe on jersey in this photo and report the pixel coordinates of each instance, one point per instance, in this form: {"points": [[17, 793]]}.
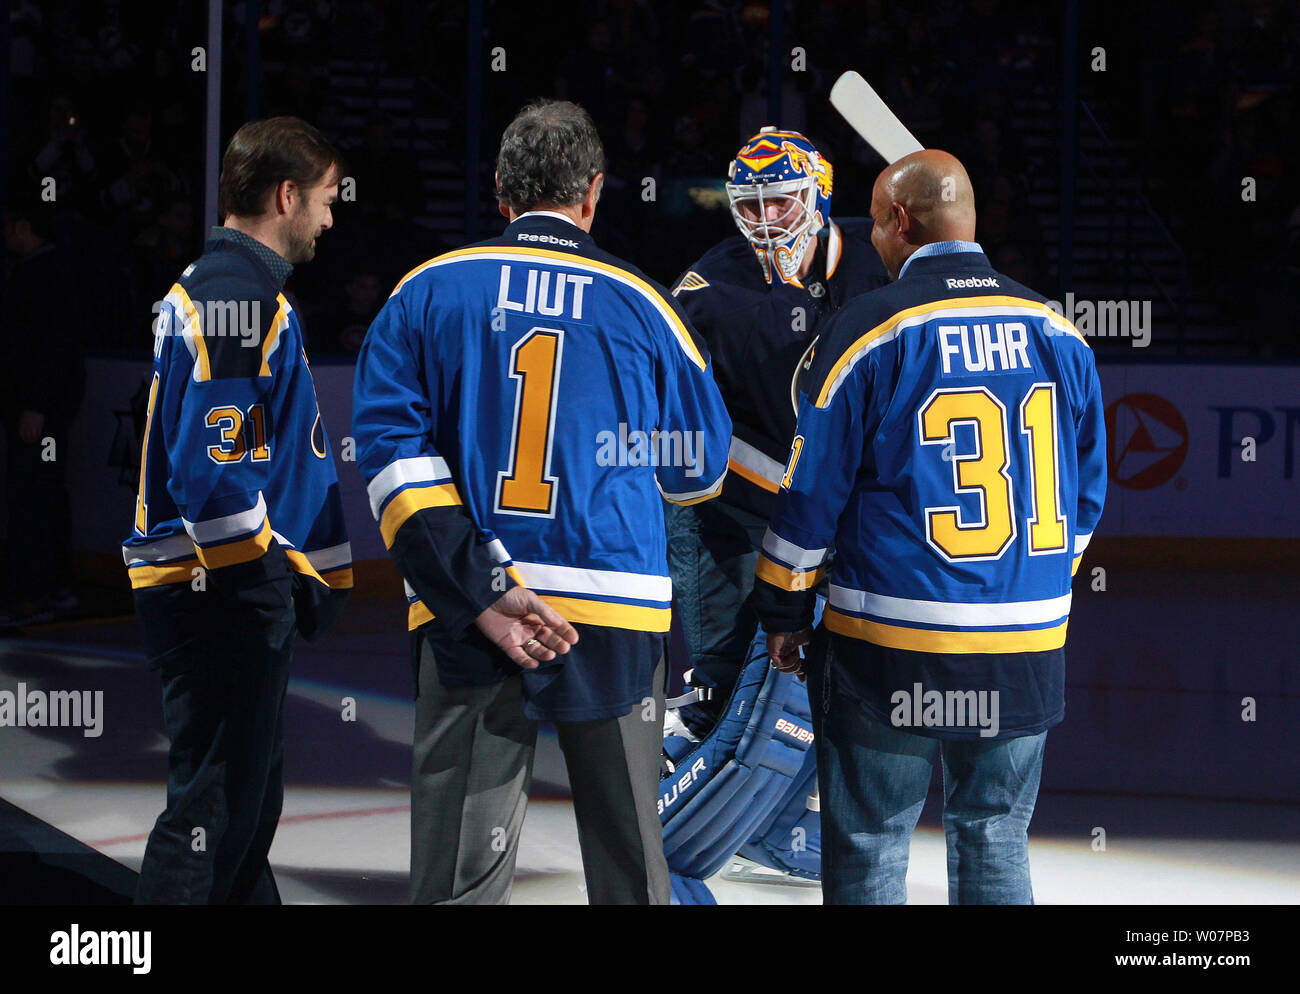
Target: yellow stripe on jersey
{"points": [[233, 553], [194, 329], [927, 640], [786, 578], [577, 611], [416, 615], [577, 262], [753, 477], [273, 334], [338, 579], [335, 579], [157, 576], [630, 616], [142, 508], [1074, 567], [411, 500], [952, 303]]}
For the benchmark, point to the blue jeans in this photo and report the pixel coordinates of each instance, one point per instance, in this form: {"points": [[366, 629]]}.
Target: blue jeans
{"points": [[874, 779]]}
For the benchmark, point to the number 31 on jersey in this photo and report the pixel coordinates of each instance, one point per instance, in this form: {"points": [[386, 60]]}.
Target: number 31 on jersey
{"points": [[987, 472]]}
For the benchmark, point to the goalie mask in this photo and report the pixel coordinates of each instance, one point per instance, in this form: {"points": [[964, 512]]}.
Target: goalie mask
{"points": [[780, 194]]}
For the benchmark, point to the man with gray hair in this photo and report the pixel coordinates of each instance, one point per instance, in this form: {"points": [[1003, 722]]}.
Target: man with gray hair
{"points": [[521, 405]]}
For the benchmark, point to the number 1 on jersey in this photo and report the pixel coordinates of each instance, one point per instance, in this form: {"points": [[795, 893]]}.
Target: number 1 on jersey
{"points": [[528, 486], [1038, 417]]}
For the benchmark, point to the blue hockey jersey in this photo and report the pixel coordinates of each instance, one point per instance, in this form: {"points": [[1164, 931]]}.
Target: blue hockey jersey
{"points": [[235, 468], [521, 409], [950, 449], [759, 332]]}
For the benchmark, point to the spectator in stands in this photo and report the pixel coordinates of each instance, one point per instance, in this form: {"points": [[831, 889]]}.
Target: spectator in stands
{"points": [[66, 158], [140, 180]]}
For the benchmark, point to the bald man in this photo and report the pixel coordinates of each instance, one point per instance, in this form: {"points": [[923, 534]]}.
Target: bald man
{"points": [[951, 450]]}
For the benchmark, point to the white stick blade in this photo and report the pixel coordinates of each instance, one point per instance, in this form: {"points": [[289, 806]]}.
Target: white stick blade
{"points": [[870, 117]]}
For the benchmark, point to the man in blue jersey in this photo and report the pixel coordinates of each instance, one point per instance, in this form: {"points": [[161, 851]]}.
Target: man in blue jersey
{"points": [[522, 407], [950, 450], [238, 541]]}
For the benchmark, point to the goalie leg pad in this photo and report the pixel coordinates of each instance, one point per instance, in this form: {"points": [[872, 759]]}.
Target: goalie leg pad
{"points": [[725, 788], [791, 838], [688, 890]]}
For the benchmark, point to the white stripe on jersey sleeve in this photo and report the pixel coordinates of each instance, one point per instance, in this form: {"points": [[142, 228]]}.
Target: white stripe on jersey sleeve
{"points": [[756, 461], [694, 494], [947, 613], [400, 473], [219, 529], [611, 583], [790, 554]]}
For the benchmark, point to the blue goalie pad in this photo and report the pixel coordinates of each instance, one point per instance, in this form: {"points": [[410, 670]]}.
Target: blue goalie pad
{"points": [[734, 783], [688, 890], [791, 837]]}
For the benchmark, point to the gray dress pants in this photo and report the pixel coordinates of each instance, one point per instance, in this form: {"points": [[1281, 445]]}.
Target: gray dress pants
{"points": [[472, 766]]}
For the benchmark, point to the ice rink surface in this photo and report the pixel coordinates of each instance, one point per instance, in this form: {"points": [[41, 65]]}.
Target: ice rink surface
{"points": [[1195, 804]]}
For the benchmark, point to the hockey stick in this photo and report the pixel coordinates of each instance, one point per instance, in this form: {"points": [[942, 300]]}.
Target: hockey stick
{"points": [[870, 117]]}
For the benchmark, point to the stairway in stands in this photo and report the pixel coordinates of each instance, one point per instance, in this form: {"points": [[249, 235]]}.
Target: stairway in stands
{"points": [[1122, 250]]}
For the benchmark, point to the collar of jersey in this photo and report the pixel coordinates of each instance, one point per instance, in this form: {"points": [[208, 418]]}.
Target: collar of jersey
{"points": [[549, 223], [556, 214], [941, 248], [275, 263]]}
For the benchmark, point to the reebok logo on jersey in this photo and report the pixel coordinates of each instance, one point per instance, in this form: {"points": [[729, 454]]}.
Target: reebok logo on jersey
{"points": [[547, 239], [973, 281]]}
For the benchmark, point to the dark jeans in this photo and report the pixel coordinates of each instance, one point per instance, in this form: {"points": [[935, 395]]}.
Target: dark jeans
{"points": [[223, 709], [874, 779], [712, 552], [39, 527]]}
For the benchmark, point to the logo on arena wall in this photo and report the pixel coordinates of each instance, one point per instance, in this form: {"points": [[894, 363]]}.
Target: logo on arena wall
{"points": [[1147, 438]]}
